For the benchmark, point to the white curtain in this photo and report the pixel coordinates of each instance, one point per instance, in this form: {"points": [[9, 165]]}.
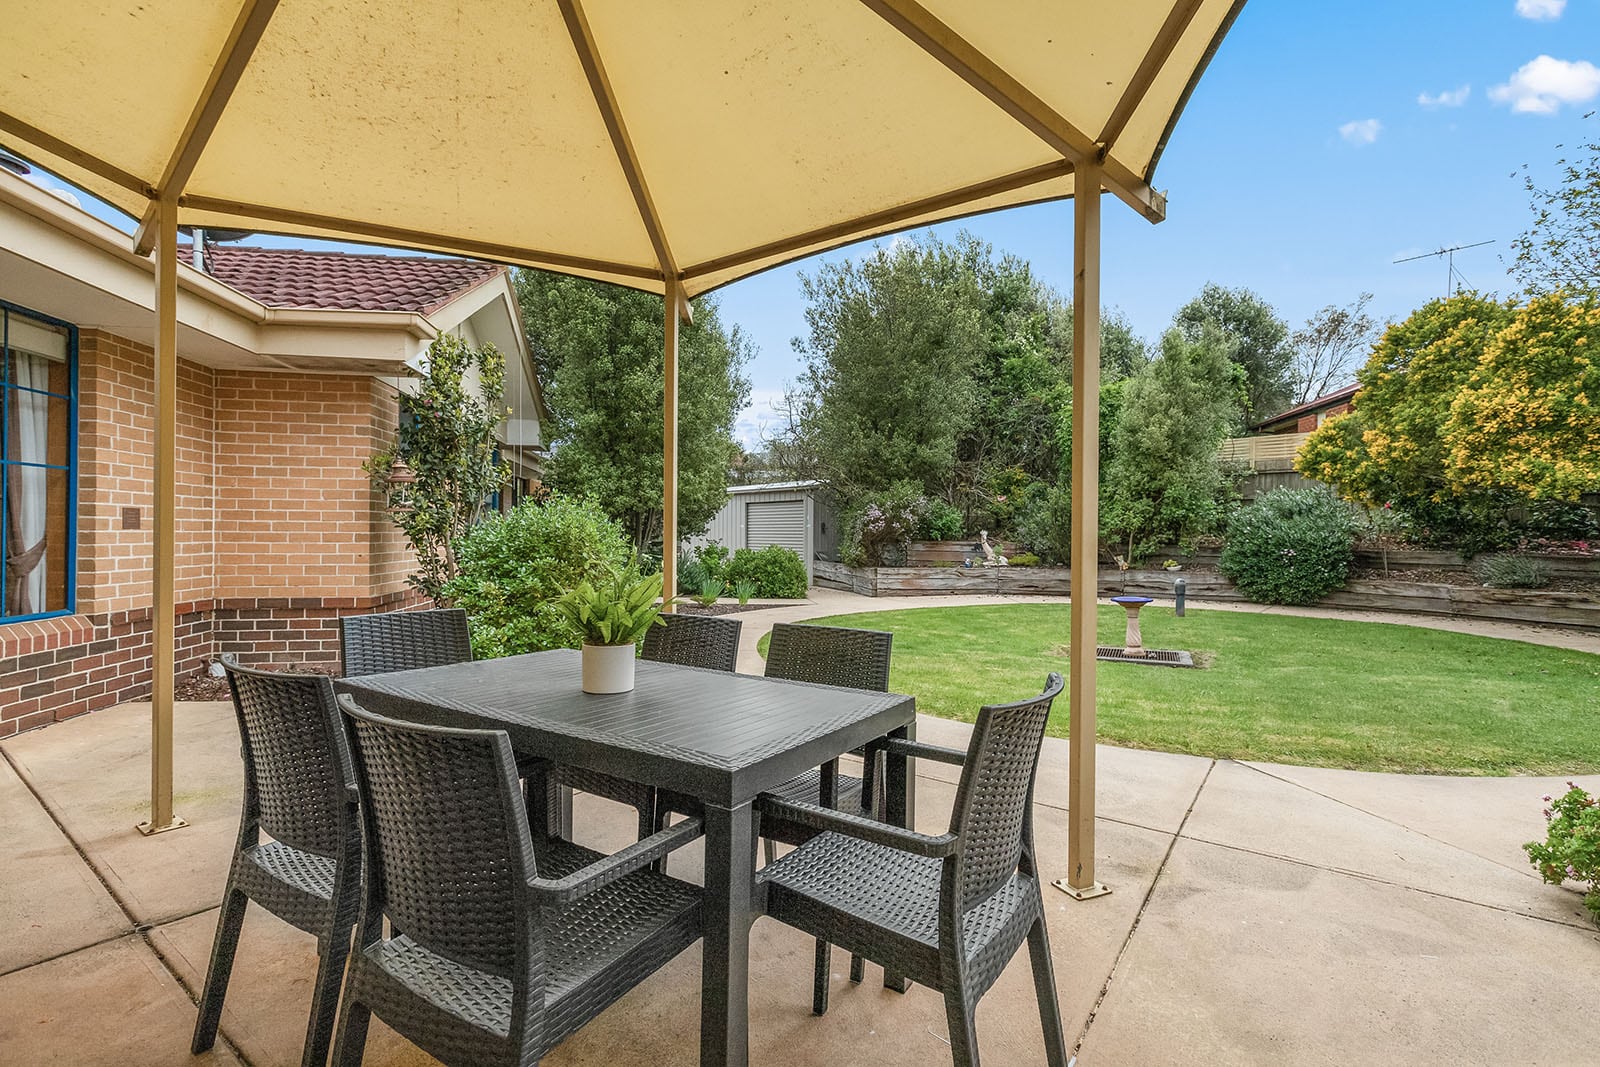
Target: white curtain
{"points": [[26, 487]]}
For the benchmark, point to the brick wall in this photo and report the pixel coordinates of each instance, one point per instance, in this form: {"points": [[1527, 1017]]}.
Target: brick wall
{"points": [[278, 530]]}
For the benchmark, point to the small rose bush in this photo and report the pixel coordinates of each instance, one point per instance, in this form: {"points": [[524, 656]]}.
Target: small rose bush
{"points": [[1292, 546], [1571, 848]]}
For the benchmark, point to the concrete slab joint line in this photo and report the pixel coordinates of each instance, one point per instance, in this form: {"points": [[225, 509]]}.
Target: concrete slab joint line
{"points": [[1083, 1034]]}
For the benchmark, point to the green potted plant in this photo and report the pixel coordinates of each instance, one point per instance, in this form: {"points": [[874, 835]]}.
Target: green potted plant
{"points": [[612, 615]]}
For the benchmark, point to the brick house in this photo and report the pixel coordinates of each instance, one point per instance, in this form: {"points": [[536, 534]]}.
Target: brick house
{"points": [[292, 365]]}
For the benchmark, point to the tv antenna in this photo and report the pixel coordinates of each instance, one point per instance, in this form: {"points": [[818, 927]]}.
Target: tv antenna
{"points": [[1453, 279]]}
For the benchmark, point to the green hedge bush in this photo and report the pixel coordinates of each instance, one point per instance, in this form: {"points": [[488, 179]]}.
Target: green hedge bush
{"points": [[775, 571], [1292, 546], [514, 567]]}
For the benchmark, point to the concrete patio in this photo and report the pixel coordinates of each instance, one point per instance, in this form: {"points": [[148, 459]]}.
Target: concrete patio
{"points": [[1260, 914]]}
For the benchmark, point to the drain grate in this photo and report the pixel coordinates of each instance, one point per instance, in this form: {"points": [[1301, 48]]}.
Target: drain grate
{"points": [[1155, 657]]}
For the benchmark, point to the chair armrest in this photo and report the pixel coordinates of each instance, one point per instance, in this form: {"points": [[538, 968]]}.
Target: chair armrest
{"points": [[553, 892], [818, 817], [899, 746]]}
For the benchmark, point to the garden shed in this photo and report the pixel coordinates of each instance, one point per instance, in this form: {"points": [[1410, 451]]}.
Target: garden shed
{"points": [[795, 515]]}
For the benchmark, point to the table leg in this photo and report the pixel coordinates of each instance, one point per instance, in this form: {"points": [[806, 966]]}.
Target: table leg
{"points": [[900, 795], [549, 805], [725, 967]]}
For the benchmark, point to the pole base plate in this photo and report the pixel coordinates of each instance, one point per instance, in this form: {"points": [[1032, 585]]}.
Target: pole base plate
{"points": [[1094, 889], [149, 829]]}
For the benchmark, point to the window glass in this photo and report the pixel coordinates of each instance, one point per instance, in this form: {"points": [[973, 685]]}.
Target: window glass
{"points": [[37, 465]]}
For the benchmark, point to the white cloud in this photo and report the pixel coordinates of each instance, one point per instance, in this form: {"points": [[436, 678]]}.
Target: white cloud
{"points": [[1542, 85], [760, 418], [1448, 98], [1362, 131], [1541, 10]]}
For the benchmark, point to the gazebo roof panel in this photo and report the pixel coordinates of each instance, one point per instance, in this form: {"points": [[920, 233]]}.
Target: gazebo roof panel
{"points": [[790, 119], [472, 122]]}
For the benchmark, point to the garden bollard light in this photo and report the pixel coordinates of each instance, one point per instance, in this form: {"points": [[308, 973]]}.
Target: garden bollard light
{"points": [[1179, 587]]}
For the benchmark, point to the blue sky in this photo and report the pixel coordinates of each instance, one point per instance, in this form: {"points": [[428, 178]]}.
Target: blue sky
{"points": [[1325, 141], [1267, 193]]}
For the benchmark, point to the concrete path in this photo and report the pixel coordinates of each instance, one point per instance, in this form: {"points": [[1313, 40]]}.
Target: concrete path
{"points": [[1261, 914]]}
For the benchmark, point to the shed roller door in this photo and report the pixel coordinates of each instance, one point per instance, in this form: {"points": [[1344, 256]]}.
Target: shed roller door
{"points": [[776, 522]]}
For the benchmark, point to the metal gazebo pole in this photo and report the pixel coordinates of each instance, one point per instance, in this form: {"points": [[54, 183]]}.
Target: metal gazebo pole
{"points": [[1080, 881], [163, 575]]}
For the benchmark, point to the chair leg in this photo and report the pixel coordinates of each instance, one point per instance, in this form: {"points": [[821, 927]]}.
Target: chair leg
{"points": [[1044, 985], [819, 986], [351, 1043], [858, 968], [649, 822], [963, 1035], [226, 943], [325, 999], [770, 850]]}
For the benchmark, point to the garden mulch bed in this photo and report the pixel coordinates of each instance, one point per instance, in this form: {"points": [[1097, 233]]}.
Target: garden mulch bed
{"points": [[201, 686], [719, 609]]}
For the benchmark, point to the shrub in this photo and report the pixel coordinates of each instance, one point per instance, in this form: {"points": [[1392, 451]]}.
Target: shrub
{"points": [[1023, 559], [713, 557], [941, 521], [878, 529], [1572, 845], [775, 571], [1512, 572], [1292, 546], [691, 574], [514, 567], [1044, 522]]}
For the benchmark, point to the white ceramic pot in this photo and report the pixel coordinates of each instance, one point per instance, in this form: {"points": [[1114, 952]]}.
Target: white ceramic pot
{"points": [[608, 668]]}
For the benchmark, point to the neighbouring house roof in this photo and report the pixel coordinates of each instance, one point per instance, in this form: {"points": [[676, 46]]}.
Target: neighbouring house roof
{"points": [[345, 281], [1333, 399]]}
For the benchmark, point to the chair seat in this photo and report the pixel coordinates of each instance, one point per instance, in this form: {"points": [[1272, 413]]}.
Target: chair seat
{"points": [[807, 788], [595, 949], [883, 903], [295, 885]]}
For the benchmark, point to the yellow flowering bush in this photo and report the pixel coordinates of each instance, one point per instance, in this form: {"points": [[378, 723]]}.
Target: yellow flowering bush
{"points": [[1528, 417]]}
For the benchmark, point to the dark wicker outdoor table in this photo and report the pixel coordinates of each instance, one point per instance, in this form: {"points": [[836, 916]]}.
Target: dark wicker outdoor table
{"points": [[718, 737]]}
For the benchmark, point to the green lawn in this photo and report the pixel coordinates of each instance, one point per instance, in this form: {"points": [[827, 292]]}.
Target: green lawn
{"points": [[1318, 692]]}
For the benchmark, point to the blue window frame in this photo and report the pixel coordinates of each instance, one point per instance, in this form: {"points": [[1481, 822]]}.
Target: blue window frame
{"points": [[38, 465]]}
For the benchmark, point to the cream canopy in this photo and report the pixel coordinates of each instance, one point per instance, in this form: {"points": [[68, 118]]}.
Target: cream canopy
{"points": [[669, 146], [609, 138]]}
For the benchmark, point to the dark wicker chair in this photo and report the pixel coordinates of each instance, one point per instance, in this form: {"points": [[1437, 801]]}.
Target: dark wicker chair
{"points": [[688, 641], [947, 911], [403, 641], [299, 788], [511, 943], [826, 655]]}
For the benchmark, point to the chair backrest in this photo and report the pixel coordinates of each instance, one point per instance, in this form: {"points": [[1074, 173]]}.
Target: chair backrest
{"points": [[993, 806], [297, 771], [447, 848], [403, 640], [694, 641], [830, 655]]}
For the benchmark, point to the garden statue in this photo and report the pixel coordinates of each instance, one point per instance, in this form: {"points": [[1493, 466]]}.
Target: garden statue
{"points": [[990, 559]]}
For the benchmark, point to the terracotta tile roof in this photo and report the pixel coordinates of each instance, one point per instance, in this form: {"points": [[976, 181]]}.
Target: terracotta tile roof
{"points": [[345, 281], [1333, 399]]}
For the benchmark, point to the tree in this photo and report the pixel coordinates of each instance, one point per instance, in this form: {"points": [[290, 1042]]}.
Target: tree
{"points": [[598, 350], [447, 440], [1328, 348], [887, 389], [1528, 418], [1164, 481], [1391, 449], [1560, 251], [1261, 344]]}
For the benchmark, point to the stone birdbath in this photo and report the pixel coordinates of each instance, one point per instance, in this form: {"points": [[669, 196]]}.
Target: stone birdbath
{"points": [[1133, 643]]}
